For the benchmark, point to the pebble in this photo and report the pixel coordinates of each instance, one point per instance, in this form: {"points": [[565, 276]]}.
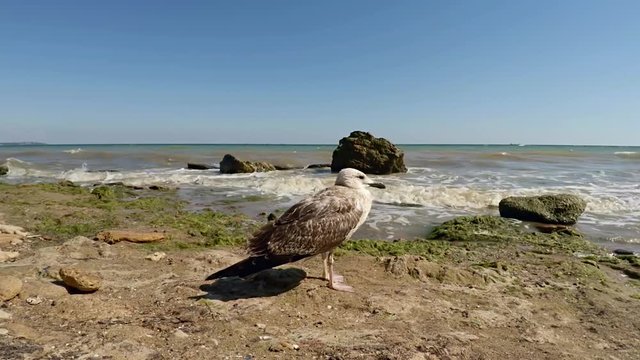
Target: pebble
{"points": [[4, 332], [156, 256], [291, 346], [264, 337], [79, 279], [4, 315], [12, 229], [8, 255], [261, 326], [180, 334], [34, 300], [10, 287]]}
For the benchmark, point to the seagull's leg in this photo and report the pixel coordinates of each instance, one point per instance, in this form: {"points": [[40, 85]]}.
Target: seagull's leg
{"points": [[325, 261], [336, 282]]}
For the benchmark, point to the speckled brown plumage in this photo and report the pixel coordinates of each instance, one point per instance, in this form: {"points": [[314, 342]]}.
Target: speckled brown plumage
{"points": [[315, 225]]}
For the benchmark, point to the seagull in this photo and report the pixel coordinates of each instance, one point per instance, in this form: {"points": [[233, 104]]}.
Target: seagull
{"points": [[313, 226]]}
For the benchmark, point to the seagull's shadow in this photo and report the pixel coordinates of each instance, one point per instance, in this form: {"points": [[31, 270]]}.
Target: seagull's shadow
{"points": [[266, 283]]}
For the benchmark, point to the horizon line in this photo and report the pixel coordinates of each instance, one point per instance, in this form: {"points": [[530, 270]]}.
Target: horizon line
{"points": [[38, 143]]}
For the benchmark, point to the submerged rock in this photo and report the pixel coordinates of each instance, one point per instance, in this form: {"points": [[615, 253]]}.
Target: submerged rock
{"points": [[563, 209], [4, 170], [194, 166], [231, 165], [317, 166], [369, 154]]}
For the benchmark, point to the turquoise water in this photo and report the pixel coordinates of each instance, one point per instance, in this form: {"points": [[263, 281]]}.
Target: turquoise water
{"points": [[443, 180]]}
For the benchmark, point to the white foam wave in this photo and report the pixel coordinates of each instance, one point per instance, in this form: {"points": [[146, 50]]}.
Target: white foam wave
{"points": [[430, 190], [627, 154], [73, 151]]}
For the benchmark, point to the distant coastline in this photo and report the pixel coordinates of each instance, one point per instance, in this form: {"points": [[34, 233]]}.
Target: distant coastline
{"points": [[20, 143]]}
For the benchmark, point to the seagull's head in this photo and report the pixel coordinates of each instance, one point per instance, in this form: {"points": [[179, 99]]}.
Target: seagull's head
{"points": [[355, 179]]}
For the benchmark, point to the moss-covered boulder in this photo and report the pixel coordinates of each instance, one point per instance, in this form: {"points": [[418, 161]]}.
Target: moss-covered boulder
{"points": [[563, 209], [494, 229], [4, 170], [231, 165], [477, 228], [369, 154]]}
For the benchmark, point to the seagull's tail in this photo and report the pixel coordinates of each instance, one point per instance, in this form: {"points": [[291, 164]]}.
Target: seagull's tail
{"points": [[253, 265]]}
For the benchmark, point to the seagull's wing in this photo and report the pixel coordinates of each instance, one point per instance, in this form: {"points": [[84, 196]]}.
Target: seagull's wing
{"points": [[312, 226]]}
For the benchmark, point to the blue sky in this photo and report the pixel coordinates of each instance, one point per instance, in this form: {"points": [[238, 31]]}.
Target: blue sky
{"points": [[301, 71]]}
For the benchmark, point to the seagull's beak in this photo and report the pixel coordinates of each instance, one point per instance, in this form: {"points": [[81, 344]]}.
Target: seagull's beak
{"points": [[377, 185]]}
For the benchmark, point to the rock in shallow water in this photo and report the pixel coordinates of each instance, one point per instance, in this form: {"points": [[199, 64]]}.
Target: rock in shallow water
{"points": [[369, 154], [231, 165], [79, 279], [563, 209]]}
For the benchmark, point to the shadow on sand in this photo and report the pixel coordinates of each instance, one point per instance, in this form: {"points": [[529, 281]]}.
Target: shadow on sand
{"points": [[263, 284]]}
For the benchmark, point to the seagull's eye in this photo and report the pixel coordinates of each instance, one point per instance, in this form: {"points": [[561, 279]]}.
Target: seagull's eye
{"points": [[361, 177]]}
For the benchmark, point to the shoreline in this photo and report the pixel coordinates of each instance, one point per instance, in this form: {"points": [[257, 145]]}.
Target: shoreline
{"points": [[504, 294]]}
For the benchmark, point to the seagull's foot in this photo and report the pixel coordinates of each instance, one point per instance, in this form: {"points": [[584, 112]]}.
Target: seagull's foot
{"points": [[339, 285], [336, 278]]}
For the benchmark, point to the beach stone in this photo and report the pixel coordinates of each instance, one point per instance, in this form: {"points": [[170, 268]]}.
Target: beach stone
{"points": [[114, 236], [5, 315], [8, 255], [12, 230], [369, 154], [4, 332], [34, 300], [563, 209], [156, 256], [180, 334], [10, 239], [10, 287], [79, 279], [4, 170], [231, 165]]}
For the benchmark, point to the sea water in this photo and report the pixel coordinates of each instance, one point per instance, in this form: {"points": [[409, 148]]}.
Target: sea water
{"points": [[443, 181]]}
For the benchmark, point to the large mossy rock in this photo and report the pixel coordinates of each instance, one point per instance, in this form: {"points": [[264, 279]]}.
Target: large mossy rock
{"points": [[4, 170], [494, 229], [477, 228], [563, 209], [369, 154], [231, 165]]}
